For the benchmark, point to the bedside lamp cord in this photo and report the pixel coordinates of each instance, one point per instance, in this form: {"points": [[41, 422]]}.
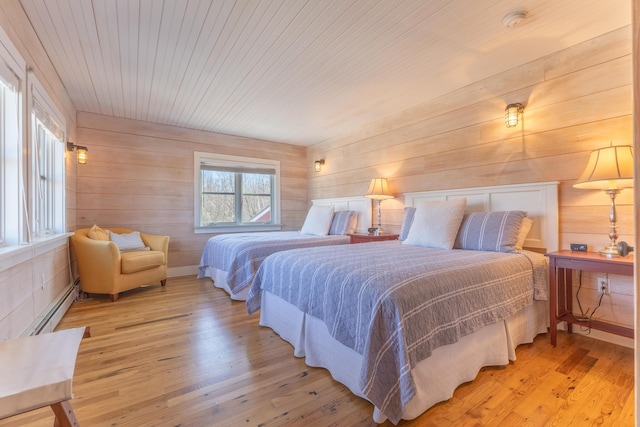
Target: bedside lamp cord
{"points": [[585, 316]]}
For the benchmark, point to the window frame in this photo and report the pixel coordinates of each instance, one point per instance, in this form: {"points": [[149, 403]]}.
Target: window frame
{"points": [[240, 164], [55, 205]]}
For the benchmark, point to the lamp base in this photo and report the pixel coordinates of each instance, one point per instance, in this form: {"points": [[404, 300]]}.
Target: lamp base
{"points": [[610, 251]]}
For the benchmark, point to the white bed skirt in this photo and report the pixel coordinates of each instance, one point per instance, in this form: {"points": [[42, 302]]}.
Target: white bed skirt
{"points": [[219, 278], [436, 378]]}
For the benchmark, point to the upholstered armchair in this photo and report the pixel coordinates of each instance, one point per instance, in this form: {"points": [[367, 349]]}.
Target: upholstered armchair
{"points": [[105, 269]]}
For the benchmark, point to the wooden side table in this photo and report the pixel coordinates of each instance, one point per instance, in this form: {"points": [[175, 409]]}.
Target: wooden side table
{"points": [[561, 265], [366, 238]]}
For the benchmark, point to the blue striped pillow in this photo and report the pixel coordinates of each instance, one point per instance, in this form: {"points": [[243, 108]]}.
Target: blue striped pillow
{"points": [[407, 220], [344, 222], [490, 231]]}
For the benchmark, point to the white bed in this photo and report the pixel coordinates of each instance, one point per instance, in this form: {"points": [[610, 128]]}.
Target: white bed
{"points": [[439, 375], [254, 246]]}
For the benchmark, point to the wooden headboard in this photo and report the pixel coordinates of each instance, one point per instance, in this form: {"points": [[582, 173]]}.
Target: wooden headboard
{"points": [[360, 204], [539, 200]]}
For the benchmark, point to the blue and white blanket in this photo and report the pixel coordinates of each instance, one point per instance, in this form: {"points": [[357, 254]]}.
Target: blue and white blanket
{"points": [[241, 254], [394, 303]]}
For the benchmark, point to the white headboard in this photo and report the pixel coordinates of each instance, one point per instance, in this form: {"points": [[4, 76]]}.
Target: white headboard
{"points": [[539, 200], [360, 204]]}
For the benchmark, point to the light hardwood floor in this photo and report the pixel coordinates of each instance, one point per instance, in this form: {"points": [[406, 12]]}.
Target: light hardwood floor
{"points": [[186, 355]]}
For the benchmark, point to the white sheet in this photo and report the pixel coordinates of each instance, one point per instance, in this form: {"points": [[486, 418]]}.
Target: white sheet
{"points": [[219, 278]]}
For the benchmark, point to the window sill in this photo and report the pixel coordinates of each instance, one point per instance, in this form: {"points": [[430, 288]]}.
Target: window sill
{"points": [[237, 229], [13, 255]]}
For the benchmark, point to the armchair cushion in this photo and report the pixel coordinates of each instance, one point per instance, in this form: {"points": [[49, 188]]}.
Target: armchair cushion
{"points": [[132, 262], [97, 233]]}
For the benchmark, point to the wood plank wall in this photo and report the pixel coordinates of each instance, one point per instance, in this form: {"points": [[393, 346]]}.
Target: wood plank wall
{"points": [[636, 139], [575, 100], [140, 176]]}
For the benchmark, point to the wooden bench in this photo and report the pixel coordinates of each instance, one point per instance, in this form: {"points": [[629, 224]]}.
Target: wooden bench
{"points": [[37, 371]]}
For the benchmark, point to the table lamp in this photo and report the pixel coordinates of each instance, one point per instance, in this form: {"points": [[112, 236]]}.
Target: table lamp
{"points": [[609, 169], [379, 191]]}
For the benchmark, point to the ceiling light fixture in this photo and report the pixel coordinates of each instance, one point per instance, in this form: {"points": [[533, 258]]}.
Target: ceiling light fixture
{"points": [[513, 19]]}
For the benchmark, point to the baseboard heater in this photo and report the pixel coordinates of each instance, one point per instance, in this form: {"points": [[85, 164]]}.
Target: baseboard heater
{"points": [[51, 315]]}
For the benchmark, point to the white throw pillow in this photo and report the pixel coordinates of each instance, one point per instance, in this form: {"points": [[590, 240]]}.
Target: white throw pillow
{"points": [[435, 224], [130, 241], [318, 220]]}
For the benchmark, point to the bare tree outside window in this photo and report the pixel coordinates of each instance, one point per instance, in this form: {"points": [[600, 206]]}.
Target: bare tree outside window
{"points": [[256, 196], [235, 197], [218, 197]]}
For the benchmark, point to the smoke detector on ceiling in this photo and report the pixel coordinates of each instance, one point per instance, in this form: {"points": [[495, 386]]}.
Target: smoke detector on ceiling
{"points": [[513, 19]]}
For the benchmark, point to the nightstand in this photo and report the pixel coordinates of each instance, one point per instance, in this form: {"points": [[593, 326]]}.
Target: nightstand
{"points": [[366, 238], [561, 266]]}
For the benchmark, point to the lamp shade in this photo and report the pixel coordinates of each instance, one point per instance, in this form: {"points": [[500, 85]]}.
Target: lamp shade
{"points": [[379, 189], [608, 168]]}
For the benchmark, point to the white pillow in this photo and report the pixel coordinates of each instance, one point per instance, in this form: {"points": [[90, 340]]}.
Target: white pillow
{"points": [[318, 220], [435, 224], [130, 241]]}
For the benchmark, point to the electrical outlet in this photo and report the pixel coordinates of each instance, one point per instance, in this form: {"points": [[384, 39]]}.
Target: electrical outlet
{"points": [[603, 285]]}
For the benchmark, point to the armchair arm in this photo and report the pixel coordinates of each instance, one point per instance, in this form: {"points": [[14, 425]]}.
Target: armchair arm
{"points": [[156, 243], [96, 257], [98, 260]]}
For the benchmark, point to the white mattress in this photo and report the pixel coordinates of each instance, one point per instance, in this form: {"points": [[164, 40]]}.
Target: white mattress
{"points": [[436, 378]]}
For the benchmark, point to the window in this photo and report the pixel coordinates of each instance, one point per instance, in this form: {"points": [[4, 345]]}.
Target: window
{"points": [[11, 144], [236, 193], [47, 162]]}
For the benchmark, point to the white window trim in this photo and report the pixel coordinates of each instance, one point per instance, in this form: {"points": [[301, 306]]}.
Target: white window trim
{"points": [[10, 256], [14, 58], [14, 219], [231, 161]]}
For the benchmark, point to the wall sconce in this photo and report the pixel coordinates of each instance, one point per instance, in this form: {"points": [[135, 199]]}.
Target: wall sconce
{"points": [[318, 165], [81, 152], [511, 114]]}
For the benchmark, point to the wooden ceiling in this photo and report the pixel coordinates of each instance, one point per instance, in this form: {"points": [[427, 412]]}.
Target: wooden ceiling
{"points": [[295, 71]]}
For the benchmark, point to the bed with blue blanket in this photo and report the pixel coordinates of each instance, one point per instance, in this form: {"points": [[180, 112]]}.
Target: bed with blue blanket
{"points": [[231, 260], [402, 324]]}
